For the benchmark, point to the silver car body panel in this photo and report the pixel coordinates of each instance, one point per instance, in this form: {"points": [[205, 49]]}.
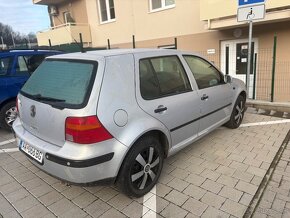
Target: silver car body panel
{"points": [[120, 73], [77, 152], [116, 100]]}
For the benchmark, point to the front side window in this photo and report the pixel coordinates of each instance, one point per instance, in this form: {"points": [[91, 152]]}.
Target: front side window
{"points": [[5, 65], [161, 4], [34, 61], [61, 82], [205, 74], [106, 10], [162, 76]]}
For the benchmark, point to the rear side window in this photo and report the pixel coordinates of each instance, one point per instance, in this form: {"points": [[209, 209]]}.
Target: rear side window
{"points": [[162, 76], [68, 82], [21, 66], [5, 65]]}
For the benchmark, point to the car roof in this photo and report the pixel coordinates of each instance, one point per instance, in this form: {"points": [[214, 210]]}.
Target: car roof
{"points": [[113, 52], [28, 51]]}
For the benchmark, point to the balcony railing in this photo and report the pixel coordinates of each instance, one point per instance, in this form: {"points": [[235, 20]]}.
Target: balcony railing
{"points": [[64, 34], [48, 2]]}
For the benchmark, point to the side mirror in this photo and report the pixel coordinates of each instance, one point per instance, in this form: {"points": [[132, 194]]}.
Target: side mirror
{"points": [[228, 79]]}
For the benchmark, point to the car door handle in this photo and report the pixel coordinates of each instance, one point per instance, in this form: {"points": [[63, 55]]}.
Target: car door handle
{"points": [[160, 109], [204, 97]]}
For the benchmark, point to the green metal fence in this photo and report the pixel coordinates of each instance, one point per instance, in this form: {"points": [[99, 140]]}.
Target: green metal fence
{"points": [[269, 78]]}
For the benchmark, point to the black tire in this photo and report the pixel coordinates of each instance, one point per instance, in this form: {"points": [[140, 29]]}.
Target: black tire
{"points": [[7, 115], [133, 174], [237, 113]]}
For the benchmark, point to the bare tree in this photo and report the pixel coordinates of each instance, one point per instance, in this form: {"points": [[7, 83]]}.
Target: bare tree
{"points": [[8, 35]]}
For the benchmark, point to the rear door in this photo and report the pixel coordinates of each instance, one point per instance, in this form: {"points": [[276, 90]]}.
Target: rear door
{"points": [[215, 95], [165, 92]]}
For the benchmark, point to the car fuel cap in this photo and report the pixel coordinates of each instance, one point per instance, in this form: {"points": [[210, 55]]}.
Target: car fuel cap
{"points": [[120, 118]]}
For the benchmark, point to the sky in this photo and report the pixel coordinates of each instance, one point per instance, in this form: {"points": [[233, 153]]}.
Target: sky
{"points": [[23, 16]]}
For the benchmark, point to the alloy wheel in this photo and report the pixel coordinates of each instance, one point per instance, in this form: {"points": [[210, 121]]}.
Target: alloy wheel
{"points": [[10, 116], [239, 112], [145, 168]]}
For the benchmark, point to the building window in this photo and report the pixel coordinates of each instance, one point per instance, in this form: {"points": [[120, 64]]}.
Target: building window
{"points": [[67, 17], [157, 5], [106, 10]]}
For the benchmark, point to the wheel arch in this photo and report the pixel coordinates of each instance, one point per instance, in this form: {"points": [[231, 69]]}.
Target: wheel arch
{"points": [[6, 101], [160, 136], [243, 94], [164, 141]]}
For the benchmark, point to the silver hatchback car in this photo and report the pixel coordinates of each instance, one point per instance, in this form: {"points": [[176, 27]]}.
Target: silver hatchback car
{"points": [[116, 115]]}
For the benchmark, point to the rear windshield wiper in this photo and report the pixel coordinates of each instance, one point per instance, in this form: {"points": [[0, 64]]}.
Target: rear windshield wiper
{"points": [[43, 98]]}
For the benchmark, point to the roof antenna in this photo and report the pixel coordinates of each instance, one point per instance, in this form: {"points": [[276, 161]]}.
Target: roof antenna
{"points": [[81, 44], [134, 43], [49, 42]]}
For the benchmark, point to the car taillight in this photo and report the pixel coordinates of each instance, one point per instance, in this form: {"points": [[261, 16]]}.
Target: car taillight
{"points": [[17, 108], [85, 130]]}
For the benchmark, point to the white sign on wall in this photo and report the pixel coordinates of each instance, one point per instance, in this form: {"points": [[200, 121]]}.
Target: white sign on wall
{"points": [[211, 51]]}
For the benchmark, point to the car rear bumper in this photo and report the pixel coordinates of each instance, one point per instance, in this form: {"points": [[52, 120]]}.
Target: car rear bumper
{"points": [[73, 162]]}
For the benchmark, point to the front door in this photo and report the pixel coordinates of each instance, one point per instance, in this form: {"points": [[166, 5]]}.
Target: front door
{"points": [[215, 95], [234, 60]]}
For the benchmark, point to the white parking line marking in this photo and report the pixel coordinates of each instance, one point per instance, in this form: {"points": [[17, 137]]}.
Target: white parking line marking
{"points": [[265, 123], [9, 150], [152, 196], [7, 142]]}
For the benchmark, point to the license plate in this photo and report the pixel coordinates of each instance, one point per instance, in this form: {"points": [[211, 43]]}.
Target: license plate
{"points": [[31, 151]]}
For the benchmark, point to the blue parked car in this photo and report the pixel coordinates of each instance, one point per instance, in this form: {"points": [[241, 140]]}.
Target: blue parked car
{"points": [[16, 66]]}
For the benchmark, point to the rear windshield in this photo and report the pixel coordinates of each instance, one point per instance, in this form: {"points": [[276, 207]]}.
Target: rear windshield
{"points": [[62, 83]]}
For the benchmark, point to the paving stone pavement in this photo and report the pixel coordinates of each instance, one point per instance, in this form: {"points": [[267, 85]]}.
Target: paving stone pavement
{"points": [[216, 176], [275, 201]]}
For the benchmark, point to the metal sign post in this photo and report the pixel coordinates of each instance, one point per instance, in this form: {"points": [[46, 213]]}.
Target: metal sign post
{"points": [[249, 56], [250, 10]]}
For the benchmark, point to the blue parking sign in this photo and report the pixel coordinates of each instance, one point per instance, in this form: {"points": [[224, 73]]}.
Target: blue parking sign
{"points": [[249, 2]]}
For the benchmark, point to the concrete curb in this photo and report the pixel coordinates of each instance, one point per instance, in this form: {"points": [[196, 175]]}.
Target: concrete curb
{"points": [[265, 105]]}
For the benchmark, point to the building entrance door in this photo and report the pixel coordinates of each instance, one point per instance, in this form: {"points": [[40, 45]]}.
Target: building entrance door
{"points": [[234, 59]]}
